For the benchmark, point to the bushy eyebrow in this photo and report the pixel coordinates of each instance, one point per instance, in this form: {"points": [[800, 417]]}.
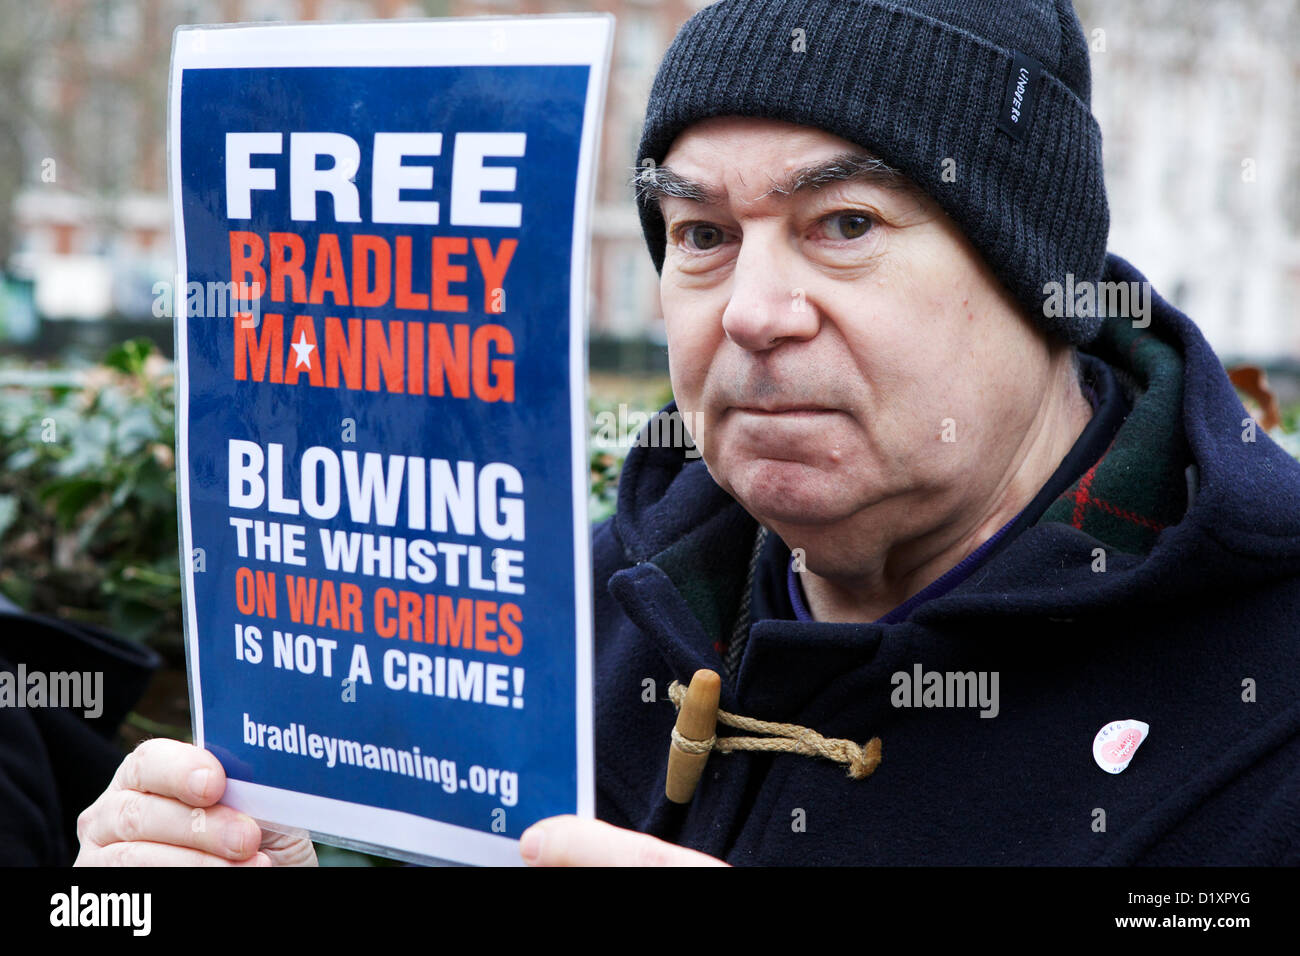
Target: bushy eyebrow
{"points": [[655, 182]]}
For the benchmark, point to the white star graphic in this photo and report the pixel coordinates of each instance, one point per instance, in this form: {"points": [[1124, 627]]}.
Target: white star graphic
{"points": [[303, 348]]}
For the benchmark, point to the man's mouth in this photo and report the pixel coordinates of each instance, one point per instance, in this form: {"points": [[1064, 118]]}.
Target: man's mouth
{"points": [[784, 409]]}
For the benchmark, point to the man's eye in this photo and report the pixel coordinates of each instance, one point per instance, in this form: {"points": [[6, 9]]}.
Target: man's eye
{"points": [[847, 225], [702, 236]]}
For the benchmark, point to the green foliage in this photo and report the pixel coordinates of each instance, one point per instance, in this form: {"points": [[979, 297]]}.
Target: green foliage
{"points": [[1288, 433], [88, 494], [606, 465], [606, 458]]}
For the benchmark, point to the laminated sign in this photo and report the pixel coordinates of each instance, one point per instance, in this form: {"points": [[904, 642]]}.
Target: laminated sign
{"points": [[381, 238]]}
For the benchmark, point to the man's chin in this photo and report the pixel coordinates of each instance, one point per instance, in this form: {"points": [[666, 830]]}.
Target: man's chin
{"points": [[787, 492]]}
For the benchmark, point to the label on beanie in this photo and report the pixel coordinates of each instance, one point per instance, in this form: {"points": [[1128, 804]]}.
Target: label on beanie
{"points": [[1022, 93]]}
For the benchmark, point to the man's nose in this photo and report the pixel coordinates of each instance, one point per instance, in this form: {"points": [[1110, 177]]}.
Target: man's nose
{"points": [[767, 305]]}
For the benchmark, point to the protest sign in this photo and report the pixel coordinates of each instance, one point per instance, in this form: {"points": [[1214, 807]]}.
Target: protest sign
{"points": [[382, 235]]}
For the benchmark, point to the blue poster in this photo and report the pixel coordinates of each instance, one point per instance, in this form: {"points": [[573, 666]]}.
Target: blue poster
{"points": [[382, 236]]}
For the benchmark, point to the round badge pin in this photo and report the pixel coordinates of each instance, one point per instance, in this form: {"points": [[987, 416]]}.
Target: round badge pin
{"points": [[1116, 743]]}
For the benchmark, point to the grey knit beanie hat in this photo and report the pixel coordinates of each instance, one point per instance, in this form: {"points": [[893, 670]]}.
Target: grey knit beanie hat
{"points": [[983, 104]]}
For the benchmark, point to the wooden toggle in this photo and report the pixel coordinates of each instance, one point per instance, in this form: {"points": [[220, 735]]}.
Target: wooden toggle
{"points": [[693, 736]]}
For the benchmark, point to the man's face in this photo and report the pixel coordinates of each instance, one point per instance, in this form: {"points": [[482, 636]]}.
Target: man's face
{"points": [[841, 346]]}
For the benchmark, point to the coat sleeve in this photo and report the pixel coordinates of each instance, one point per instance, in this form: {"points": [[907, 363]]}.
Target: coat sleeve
{"points": [[54, 762]]}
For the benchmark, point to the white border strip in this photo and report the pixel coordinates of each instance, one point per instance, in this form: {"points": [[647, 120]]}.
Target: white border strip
{"points": [[181, 355], [580, 259], [360, 826], [546, 40]]}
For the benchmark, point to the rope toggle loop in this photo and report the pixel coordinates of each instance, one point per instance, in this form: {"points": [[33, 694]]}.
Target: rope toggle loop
{"points": [[861, 759]]}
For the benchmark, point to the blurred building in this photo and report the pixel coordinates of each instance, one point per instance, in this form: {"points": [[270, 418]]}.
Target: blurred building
{"points": [[1199, 104]]}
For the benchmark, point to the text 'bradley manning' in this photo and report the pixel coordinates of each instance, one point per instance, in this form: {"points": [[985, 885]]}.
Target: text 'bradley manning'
{"points": [[946, 689]]}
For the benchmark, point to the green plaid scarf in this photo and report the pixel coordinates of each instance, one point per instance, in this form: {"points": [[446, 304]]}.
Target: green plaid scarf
{"points": [[1138, 487]]}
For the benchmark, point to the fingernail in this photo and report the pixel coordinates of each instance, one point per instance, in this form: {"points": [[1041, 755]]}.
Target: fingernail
{"points": [[530, 845], [234, 840], [199, 782]]}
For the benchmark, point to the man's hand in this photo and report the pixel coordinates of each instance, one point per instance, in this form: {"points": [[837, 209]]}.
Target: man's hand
{"points": [[161, 810], [572, 841]]}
